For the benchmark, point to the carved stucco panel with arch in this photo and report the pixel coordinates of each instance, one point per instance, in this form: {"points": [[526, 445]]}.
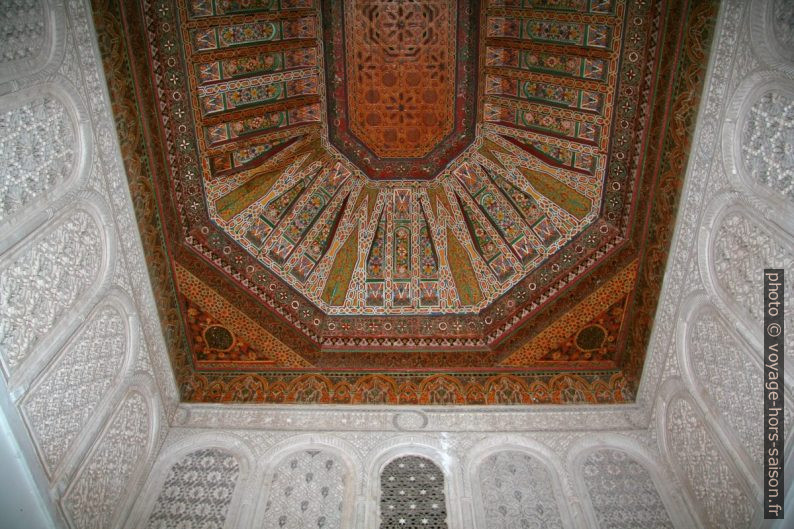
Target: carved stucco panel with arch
{"points": [[782, 17], [306, 489], [714, 484], [44, 281], [60, 405], [730, 379], [197, 491], [23, 27], [99, 491], [622, 492], [757, 153], [517, 491], [38, 146], [767, 142], [743, 246], [33, 32], [412, 494], [725, 371]]}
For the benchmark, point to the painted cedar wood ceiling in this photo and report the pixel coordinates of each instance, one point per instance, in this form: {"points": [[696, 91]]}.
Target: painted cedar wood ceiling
{"points": [[406, 202]]}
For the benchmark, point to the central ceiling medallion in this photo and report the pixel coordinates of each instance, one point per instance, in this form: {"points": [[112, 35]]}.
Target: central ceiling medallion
{"points": [[402, 84]]}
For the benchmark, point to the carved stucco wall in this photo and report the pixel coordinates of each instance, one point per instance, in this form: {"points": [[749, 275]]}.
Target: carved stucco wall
{"points": [[82, 375], [39, 138], [712, 480], [516, 491], [622, 492], [76, 340], [767, 142], [306, 489], [94, 348], [197, 491]]}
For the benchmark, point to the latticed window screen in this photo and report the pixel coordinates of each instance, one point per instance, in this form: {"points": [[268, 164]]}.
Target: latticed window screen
{"points": [[412, 495]]}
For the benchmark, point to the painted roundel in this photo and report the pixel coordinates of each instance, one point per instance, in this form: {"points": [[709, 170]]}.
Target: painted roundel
{"points": [[407, 201]]}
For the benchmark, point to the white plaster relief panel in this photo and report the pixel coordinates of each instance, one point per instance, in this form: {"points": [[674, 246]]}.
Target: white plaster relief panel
{"points": [[98, 490], [288, 417], [622, 492], [742, 249], [22, 30], [767, 142], [517, 492], [37, 146], [70, 67], [783, 26], [63, 401], [142, 362], [746, 59], [723, 367], [306, 490], [713, 482], [197, 492], [44, 281]]}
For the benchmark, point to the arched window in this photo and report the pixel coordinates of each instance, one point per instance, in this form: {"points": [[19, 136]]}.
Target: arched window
{"points": [[197, 491], [412, 494], [306, 492], [517, 492], [622, 492]]}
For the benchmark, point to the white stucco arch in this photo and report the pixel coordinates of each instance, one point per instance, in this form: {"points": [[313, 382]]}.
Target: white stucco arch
{"points": [[50, 54], [660, 477], [239, 510], [336, 446], [95, 207], [34, 213], [746, 95], [515, 443]]}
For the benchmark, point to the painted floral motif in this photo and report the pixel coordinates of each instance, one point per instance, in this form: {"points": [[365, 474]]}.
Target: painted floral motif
{"points": [[402, 253], [428, 260], [375, 262]]}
